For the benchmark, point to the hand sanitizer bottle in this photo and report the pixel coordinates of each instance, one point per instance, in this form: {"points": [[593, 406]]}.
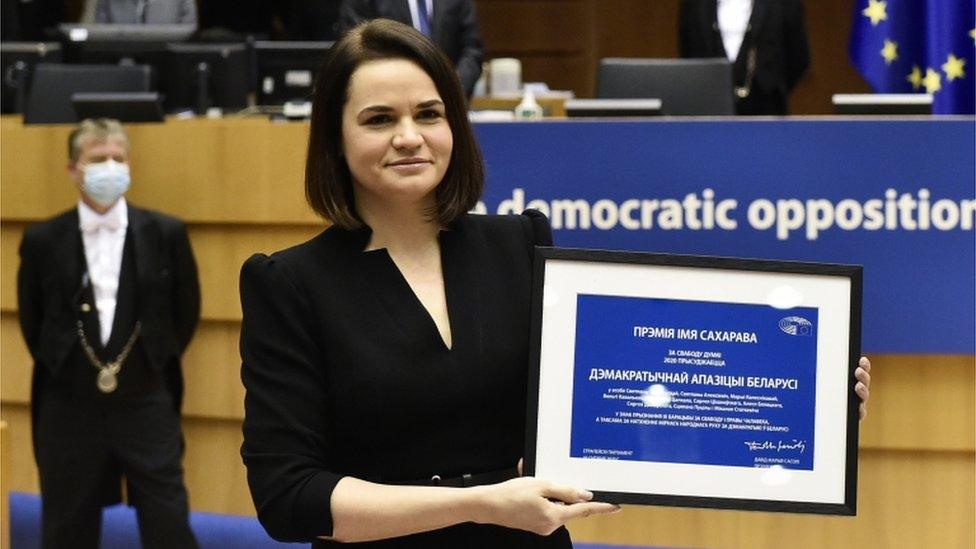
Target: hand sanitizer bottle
{"points": [[528, 109]]}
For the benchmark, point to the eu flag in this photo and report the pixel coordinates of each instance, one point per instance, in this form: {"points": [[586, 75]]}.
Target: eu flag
{"points": [[918, 46]]}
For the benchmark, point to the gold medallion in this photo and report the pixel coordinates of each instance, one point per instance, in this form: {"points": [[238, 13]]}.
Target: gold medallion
{"points": [[107, 382]]}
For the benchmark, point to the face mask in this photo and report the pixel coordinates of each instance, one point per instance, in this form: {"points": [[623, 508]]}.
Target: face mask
{"points": [[106, 181]]}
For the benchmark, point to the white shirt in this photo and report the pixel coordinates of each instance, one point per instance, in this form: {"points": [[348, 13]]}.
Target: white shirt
{"points": [[733, 22], [415, 13], [104, 240]]}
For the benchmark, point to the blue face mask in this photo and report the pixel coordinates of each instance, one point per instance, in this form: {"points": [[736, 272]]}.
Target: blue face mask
{"points": [[106, 181]]}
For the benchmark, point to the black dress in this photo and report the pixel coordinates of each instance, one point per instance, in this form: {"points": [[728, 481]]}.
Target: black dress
{"points": [[347, 375]]}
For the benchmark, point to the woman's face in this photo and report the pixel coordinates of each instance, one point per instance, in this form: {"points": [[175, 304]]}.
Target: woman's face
{"points": [[395, 136]]}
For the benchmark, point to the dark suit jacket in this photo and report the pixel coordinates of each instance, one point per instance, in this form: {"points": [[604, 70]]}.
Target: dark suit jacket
{"points": [[777, 34], [49, 284], [453, 25], [182, 12]]}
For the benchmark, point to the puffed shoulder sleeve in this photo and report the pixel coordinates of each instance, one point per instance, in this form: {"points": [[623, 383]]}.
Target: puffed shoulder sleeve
{"points": [[537, 228], [285, 409]]}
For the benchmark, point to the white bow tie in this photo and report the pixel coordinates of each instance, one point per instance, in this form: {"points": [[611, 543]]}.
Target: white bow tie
{"points": [[106, 222]]}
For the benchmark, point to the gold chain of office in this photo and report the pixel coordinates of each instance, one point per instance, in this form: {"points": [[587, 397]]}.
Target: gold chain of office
{"points": [[107, 380]]}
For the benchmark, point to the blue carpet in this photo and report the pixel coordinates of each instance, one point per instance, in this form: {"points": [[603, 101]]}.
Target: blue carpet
{"points": [[120, 530]]}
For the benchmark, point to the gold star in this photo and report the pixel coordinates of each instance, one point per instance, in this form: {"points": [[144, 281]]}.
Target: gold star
{"points": [[972, 34], [876, 11], [932, 81], [915, 77], [889, 52], [953, 67]]}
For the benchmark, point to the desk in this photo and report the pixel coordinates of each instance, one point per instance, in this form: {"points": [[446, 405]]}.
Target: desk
{"points": [[238, 183], [552, 107]]}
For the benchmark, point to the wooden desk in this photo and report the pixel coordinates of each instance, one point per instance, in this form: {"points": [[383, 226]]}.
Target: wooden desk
{"points": [[238, 183], [552, 107]]}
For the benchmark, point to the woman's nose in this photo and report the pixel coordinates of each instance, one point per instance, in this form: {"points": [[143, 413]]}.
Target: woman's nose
{"points": [[407, 136]]}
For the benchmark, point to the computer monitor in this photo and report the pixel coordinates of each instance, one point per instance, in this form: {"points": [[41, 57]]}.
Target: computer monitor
{"points": [[18, 60], [121, 44], [686, 87], [285, 71], [882, 103], [200, 76], [611, 108], [133, 52], [53, 84]]}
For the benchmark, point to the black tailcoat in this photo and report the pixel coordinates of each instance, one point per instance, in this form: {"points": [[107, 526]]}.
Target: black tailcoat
{"points": [[51, 287], [776, 39]]}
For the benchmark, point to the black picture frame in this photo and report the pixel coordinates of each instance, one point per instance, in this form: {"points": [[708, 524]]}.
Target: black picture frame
{"points": [[539, 421]]}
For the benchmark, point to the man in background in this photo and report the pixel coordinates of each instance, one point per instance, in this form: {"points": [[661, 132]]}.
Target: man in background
{"points": [[765, 40], [148, 12], [108, 300], [451, 24]]}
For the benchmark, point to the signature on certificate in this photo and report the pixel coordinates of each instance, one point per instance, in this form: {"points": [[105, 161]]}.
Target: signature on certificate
{"points": [[778, 446]]}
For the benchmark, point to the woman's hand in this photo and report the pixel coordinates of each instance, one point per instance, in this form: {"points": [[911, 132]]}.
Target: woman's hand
{"points": [[863, 386], [536, 505]]}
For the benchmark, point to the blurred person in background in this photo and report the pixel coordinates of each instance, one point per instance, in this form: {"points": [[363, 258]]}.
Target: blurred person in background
{"points": [[765, 40], [311, 19], [108, 300], [451, 24], [145, 12], [306, 20]]}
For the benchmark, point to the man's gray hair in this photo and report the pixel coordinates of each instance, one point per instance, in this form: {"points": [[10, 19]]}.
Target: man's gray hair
{"points": [[95, 129]]}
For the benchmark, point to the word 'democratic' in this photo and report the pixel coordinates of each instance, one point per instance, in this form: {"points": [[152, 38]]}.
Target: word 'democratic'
{"points": [[705, 211]]}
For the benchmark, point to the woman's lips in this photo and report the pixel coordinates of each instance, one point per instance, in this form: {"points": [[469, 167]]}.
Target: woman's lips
{"points": [[411, 160], [409, 165]]}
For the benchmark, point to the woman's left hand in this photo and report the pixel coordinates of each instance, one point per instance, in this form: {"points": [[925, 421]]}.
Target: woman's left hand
{"points": [[863, 386]]}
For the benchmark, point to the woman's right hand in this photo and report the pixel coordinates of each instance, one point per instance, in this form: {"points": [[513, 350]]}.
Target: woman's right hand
{"points": [[536, 505]]}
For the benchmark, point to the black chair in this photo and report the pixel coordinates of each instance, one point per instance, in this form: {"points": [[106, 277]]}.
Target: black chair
{"points": [[53, 85], [686, 87]]}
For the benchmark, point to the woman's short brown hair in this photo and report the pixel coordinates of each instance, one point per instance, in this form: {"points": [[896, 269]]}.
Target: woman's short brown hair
{"points": [[328, 183]]}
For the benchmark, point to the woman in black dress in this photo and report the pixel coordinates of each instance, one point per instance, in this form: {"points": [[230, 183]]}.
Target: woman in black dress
{"points": [[385, 360]]}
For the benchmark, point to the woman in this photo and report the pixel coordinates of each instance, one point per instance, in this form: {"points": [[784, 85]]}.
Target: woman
{"points": [[390, 351], [385, 359]]}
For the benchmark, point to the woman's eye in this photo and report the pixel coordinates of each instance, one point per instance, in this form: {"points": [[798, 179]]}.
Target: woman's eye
{"points": [[429, 114], [377, 120]]}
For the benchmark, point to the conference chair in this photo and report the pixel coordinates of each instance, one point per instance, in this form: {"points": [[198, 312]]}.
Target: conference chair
{"points": [[53, 85], [686, 87]]}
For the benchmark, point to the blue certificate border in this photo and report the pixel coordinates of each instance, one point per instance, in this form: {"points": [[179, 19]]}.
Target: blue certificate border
{"points": [[852, 272]]}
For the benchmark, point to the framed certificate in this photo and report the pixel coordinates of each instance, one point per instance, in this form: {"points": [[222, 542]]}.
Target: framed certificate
{"points": [[695, 381]]}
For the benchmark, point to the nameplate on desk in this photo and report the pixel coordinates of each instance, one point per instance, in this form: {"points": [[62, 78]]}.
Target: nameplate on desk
{"points": [[695, 381]]}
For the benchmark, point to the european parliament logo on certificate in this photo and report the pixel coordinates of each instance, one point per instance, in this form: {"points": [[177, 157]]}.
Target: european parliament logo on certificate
{"points": [[696, 381]]}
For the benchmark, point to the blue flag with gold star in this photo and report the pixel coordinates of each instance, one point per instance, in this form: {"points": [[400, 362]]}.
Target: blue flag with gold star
{"points": [[918, 46]]}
